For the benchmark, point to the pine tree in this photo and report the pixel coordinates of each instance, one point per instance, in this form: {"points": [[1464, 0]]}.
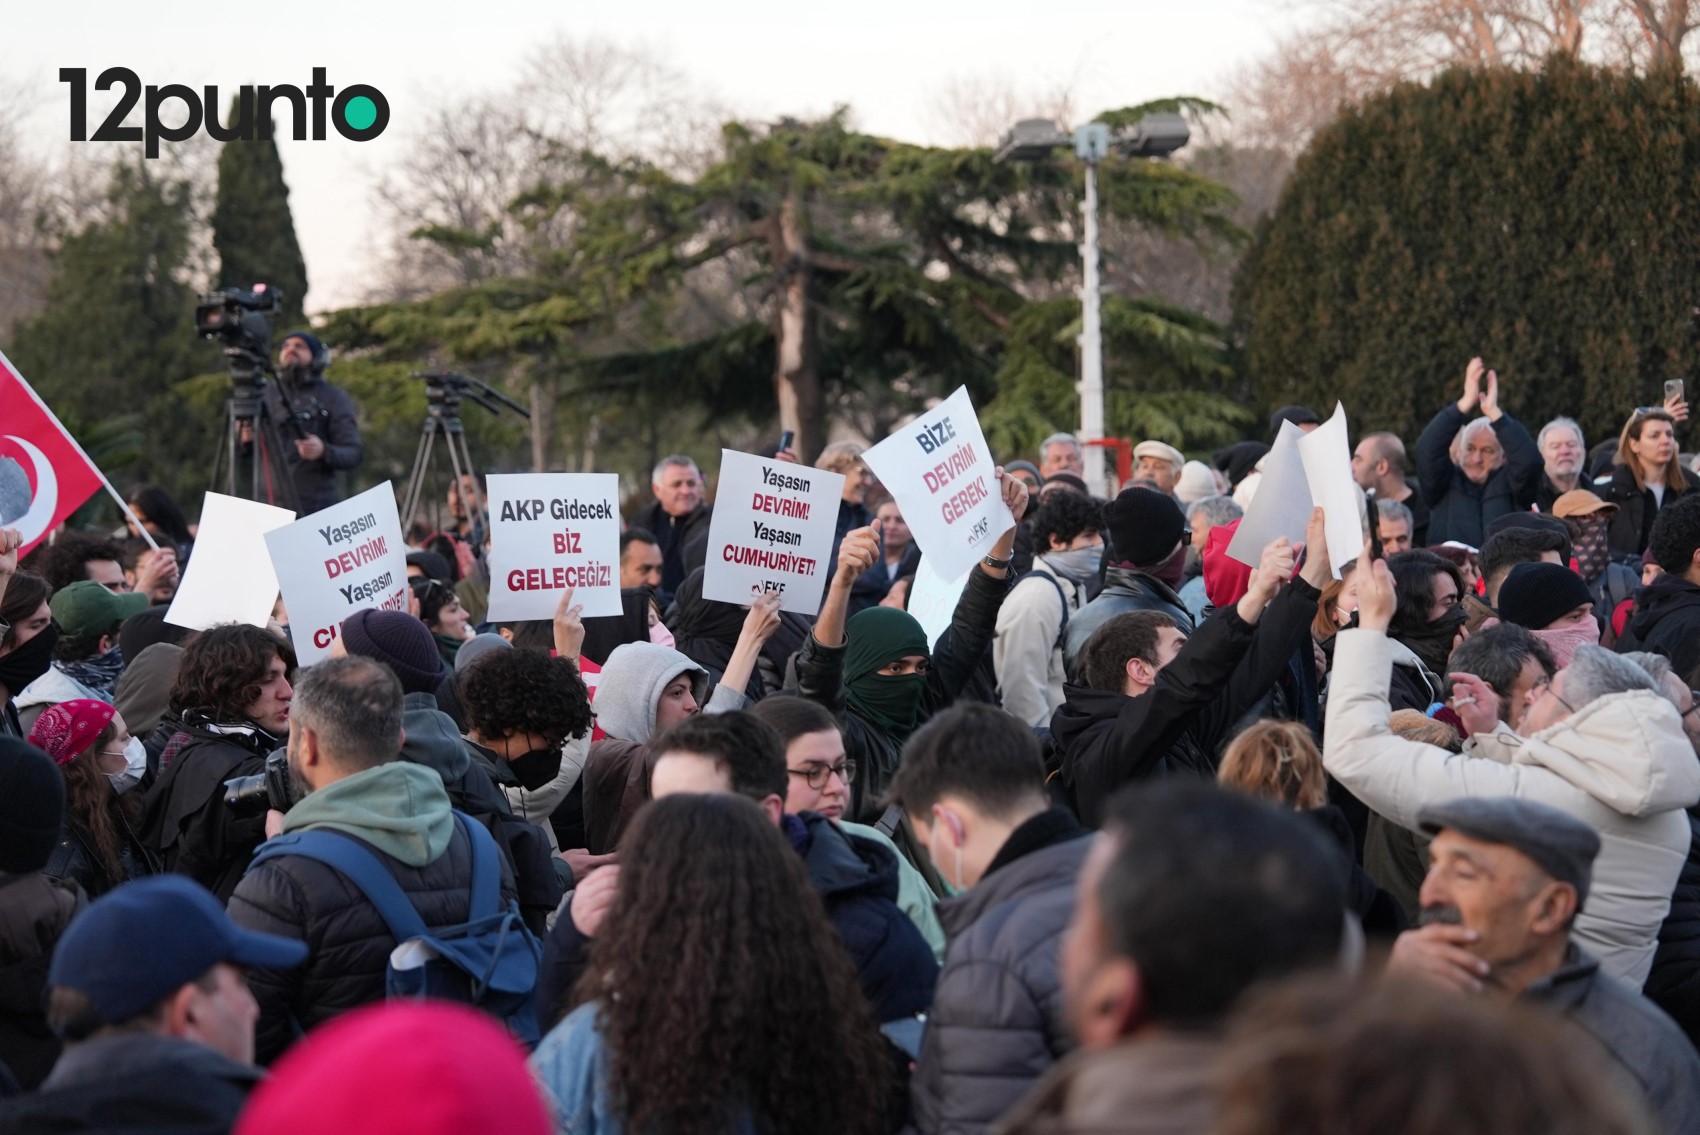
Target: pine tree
{"points": [[253, 231]]}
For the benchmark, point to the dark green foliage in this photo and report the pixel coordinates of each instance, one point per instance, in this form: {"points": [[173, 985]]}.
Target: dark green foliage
{"points": [[118, 334], [1548, 222], [253, 231]]}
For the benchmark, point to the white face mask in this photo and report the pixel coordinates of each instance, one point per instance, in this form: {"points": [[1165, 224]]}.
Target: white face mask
{"points": [[135, 765]]}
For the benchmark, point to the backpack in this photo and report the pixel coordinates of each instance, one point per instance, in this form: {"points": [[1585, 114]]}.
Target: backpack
{"points": [[1062, 597], [489, 961]]}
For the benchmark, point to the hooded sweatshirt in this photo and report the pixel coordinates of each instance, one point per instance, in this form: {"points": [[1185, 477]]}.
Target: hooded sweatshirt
{"points": [[1666, 619], [616, 774], [400, 808]]}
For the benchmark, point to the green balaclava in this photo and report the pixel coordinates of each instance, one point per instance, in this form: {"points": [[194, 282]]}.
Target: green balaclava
{"points": [[878, 637]]}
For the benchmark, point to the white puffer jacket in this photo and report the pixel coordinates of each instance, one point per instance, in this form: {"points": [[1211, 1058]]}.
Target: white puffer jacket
{"points": [[1621, 763]]}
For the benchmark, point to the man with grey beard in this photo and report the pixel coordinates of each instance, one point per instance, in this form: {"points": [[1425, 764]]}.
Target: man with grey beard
{"points": [[1505, 881], [1563, 453]]}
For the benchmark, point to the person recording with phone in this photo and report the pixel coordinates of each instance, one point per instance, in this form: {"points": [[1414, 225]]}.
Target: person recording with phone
{"points": [[1646, 474], [316, 421]]}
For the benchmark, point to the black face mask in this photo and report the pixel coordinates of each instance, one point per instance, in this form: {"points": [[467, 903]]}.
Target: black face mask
{"points": [[536, 768], [29, 661]]}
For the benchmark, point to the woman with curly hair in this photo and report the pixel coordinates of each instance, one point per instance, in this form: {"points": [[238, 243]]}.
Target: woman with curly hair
{"points": [[100, 762], [232, 695], [440, 610], [718, 998]]}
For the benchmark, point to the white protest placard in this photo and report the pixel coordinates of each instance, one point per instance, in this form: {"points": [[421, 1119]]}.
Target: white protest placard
{"points": [[772, 530], [933, 599], [548, 532], [942, 475], [339, 560], [1301, 472], [229, 579]]}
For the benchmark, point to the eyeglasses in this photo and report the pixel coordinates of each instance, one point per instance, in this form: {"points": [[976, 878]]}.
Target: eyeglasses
{"points": [[819, 775]]}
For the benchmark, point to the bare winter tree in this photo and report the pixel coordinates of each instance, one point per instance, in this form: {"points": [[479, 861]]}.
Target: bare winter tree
{"points": [[976, 110]]}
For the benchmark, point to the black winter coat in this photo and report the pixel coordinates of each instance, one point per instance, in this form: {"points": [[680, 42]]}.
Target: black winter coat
{"points": [[328, 413], [1674, 983], [1124, 590], [997, 1022], [1632, 527], [1666, 620], [349, 944], [77, 860], [820, 678], [135, 1084], [683, 542], [1177, 727], [185, 821], [1460, 509], [34, 911]]}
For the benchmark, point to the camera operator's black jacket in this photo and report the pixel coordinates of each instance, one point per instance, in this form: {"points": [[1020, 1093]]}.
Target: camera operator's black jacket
{"points": [[185, 821], [327, 413]]}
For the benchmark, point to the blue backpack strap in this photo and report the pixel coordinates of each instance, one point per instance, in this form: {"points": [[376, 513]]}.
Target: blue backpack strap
{"points": [[343, 854], [486, 895]]}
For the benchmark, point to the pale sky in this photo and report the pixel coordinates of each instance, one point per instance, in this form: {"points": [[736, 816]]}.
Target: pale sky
{"points": [[888, 59]]}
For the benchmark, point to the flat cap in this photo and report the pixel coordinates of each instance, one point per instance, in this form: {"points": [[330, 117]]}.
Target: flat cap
{"points": [[1560, 844]]}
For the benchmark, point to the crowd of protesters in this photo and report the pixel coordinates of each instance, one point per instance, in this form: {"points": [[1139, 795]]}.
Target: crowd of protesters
{"points": [[1148, 839]]}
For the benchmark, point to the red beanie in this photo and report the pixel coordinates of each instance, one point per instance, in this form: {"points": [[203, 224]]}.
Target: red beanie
{"points": [[1225, 579], [425, 1068]]}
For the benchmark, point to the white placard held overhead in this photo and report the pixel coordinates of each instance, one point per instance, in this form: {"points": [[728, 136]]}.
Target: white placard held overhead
{"points": [[772, 530], [339, 560], [548, 532], [1301, 472], [933, 599], [229, 579], [942, 475]]}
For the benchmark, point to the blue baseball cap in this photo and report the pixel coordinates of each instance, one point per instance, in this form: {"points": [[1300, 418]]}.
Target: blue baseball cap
{"points": [[143, 941]]}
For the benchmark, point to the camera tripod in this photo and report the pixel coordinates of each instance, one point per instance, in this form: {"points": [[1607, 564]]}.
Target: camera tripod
{"points": [[444, 392], [254, 469]]}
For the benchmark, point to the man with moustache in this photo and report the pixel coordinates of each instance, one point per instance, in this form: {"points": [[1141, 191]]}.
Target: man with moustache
{"points": [[1506, 880]]}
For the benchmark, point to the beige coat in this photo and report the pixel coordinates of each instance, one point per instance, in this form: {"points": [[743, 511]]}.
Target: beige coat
{"points": [[1621, 763]]}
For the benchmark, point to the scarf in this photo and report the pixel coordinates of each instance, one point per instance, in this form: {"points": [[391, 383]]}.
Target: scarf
{"points": [[99, 672], [878, 637], [1432, 642], [1563, 641], [30, 661], [1588, 540]]}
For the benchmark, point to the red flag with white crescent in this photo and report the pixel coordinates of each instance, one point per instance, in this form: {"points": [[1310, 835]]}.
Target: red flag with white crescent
{"points": [[44, 474]]}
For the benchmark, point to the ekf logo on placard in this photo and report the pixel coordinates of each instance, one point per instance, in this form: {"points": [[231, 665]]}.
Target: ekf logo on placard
{"points": [[359, 112]]}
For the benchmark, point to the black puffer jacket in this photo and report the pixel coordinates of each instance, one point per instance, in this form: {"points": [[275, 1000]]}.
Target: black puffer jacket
{"points": [[349, 944], [1124, 590], [34, 911], [997, 1021], [185, 821], [683, 542], [1674, 984], [820, 678], [1460, 509], [1666, 620]]}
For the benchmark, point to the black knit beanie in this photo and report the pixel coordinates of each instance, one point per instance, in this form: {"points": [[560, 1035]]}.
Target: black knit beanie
{"points": [[400, 641], [1144, 526], [32, 806], [1534, 596]]}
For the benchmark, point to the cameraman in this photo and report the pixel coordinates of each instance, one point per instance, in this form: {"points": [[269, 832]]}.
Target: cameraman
{"points": [[232, 694], [323, 412]]}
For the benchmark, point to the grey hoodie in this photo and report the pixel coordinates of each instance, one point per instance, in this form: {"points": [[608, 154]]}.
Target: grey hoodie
{"points": [[631, 683]]}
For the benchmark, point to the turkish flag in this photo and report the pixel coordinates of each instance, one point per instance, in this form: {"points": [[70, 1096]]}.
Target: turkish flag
{"points": [[44, 474]]}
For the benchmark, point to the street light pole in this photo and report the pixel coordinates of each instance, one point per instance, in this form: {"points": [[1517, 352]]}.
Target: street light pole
{"points": [[1091, 386], [1033, 140]]}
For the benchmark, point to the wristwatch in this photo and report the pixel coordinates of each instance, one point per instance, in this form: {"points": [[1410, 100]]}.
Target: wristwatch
{"points": [[1001, 565]]}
